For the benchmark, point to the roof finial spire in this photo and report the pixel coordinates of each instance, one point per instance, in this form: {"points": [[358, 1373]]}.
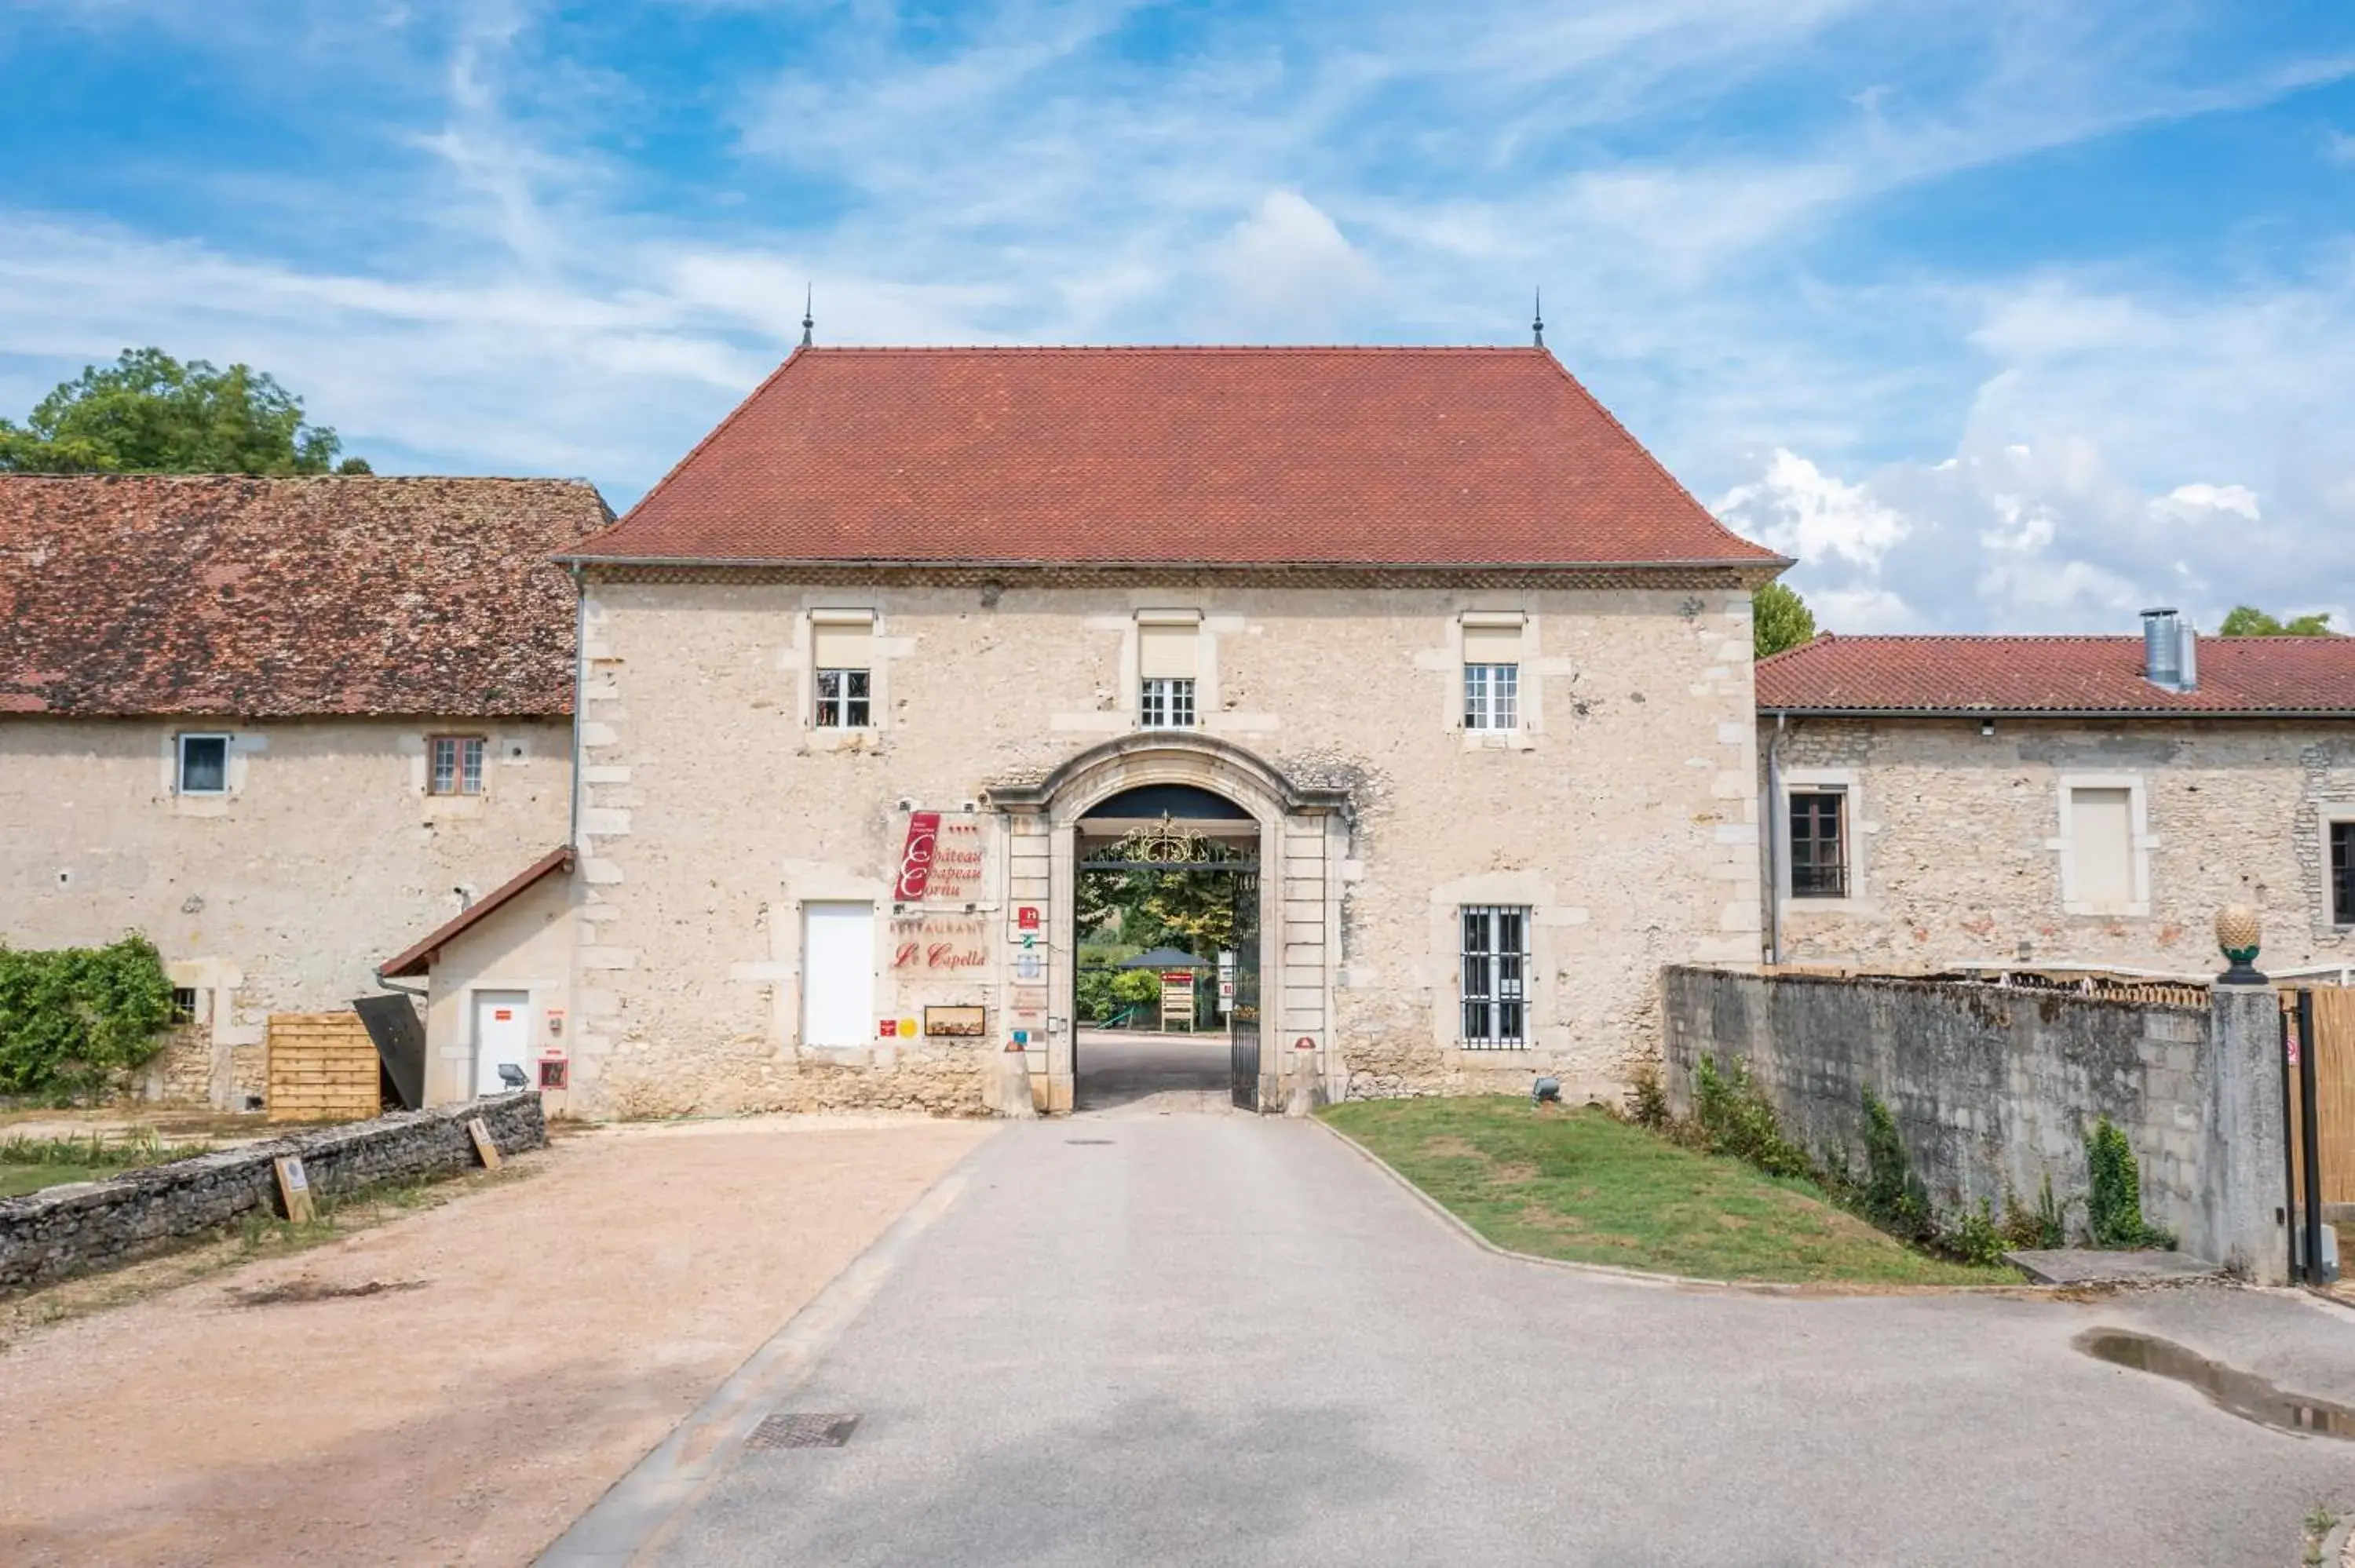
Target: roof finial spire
{"points": [[809, 321], [1537, 320]]}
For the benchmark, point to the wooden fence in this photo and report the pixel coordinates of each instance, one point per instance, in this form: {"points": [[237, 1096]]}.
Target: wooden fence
{"points": [[323, 1067], [2334, 1084]]}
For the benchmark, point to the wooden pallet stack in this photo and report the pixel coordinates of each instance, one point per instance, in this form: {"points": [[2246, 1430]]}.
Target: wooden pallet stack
{"points": [[323, 1067]]}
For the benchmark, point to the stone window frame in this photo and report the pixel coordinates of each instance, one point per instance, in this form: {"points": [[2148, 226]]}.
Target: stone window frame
{"points": [[1859, 830], [842, 737], [2141, 841], [1547, 917], [1202, 701], [1521, 734], [180, 740]]}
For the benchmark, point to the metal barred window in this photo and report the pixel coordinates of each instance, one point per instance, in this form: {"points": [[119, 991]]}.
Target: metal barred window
{"points": [[1165, 703], [842, 699], [1492, 696], [1496, 975], [1818, 845]]}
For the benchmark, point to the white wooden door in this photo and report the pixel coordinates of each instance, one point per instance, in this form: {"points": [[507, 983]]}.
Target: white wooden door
{"points": [[502, 1033], [838, 973]]}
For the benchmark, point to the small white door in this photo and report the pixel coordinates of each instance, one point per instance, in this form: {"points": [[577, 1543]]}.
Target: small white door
{"points": [[502, 1033], [838, 973]]}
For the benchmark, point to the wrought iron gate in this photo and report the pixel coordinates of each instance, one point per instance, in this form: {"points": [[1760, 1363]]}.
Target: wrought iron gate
{"points": [[1242, 1016]]}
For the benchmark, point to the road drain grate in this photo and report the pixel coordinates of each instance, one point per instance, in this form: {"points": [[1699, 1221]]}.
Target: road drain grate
{"points": [[1104, 1140], [795, 1430]]}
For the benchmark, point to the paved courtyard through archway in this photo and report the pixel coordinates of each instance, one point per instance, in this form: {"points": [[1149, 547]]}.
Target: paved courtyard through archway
{"points": [[1136, 1073]]}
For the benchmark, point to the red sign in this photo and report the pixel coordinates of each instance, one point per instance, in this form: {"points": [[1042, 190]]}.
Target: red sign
{"points": [[1177, 977], [1026, 918], [916, 856]]}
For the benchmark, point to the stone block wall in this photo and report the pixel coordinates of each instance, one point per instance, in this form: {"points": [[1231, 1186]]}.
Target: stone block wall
{"points": [[1956, 839], [47, 1236], [1623, 813], [1992, 1088]]}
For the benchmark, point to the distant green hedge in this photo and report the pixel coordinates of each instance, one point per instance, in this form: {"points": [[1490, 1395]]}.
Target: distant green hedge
{"points": [[74, 1019]]}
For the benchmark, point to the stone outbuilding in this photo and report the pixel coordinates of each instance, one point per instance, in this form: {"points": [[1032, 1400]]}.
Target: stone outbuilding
{"points": [[1939, 803], [1454, 676], [499, 987], [279, 726]]}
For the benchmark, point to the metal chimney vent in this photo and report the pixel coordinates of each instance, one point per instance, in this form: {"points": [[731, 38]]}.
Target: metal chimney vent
{"points": [[2162, 649]]}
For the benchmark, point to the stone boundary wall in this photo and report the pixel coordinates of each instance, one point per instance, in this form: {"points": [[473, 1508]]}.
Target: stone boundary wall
{"points": [[1990, 1086], [47, 1236]]}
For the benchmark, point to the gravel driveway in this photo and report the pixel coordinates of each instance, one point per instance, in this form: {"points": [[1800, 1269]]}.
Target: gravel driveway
{"points": [[510, 1354]]}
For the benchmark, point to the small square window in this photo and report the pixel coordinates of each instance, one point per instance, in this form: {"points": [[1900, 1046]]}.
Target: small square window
{"points": [[186, 1003], [1492, 696], [203, 764], [457, 765], [1818, 845], [842, 699], [1166, 702]]}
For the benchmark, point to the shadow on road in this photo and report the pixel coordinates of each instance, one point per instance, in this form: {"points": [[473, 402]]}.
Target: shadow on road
{"points": [[1166, 1072]]}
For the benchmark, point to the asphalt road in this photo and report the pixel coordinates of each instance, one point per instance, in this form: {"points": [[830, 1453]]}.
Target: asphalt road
{"points": [[1228, 1339]]}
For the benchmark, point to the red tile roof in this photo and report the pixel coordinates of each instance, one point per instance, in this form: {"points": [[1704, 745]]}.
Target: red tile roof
{"points": [[1208, 456], [421, 957], [277, 597], [2250, 676]]}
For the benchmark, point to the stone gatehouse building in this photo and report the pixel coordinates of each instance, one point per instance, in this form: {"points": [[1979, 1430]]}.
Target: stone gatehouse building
{"points": [[1946, 801], [1424, 633], [277, 726]]}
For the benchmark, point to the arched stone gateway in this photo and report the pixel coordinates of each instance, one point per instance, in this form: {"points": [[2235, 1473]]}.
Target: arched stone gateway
{"points": [[1302, 837]]}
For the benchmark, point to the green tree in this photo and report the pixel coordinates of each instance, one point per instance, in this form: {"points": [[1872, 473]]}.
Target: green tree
{"points": [[1192, 910], [1779, 619], [148, 413], [2248, 620]]}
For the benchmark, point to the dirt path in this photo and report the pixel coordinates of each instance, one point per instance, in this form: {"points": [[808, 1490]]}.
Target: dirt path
{"points": [[453, 1387]]}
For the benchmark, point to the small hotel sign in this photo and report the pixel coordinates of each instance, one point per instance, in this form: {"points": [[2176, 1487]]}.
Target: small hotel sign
{"points": [[940, 862]]}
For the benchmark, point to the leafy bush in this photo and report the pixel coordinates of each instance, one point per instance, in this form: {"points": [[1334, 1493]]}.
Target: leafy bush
{"points": [[1648, 1100], [1974, 1238], [2114, 1193], [2026, 1229], [1735, 1117], [77, 1020], [1105, 991], [1892, 1197]]}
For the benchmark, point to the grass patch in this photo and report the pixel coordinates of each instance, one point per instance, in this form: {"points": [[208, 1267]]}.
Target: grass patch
{"points": [[1581, 1185], [29, 1164]]}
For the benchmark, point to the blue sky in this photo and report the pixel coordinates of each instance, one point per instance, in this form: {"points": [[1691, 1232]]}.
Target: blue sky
{"points": [[1999, 317]]}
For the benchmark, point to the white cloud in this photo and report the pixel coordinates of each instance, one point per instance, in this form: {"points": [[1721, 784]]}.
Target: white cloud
{"points": [[496, 275], [1287, 265], [2195, 503], [2019, 537], [1800, 510]]}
